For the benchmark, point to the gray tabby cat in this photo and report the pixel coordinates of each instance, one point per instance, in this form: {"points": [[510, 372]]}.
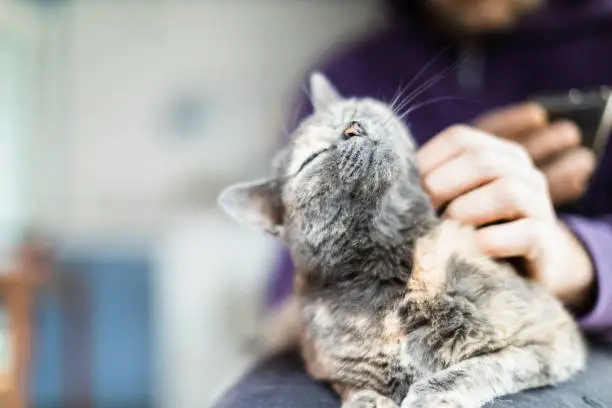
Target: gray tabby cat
{"points": [[397, 307]]}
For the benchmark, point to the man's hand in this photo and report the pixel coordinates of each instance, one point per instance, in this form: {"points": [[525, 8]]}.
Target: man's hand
{"points": [[481, 180], [553, 147]]}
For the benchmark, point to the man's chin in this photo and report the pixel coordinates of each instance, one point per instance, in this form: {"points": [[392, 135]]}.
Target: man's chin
{"points": [[494, 15]]}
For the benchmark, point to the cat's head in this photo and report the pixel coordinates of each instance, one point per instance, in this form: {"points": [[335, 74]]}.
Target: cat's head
{"points": [[345, 164]]}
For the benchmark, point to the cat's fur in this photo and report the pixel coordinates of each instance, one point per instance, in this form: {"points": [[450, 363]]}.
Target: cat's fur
{"points": [[397, 306]]}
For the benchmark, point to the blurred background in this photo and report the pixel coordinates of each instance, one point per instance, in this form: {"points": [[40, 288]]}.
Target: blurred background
{"points": [[120, 121]]}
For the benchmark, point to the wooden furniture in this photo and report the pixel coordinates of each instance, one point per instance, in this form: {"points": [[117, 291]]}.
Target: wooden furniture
{"points": [[16, 297], [17, 290]]}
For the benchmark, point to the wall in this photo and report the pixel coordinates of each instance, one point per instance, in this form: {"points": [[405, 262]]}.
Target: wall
{"points": [[19, 62], [129, 62], [115, 70]]}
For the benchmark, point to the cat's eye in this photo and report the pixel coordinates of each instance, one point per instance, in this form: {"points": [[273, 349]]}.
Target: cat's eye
{"points": [[308, 160]]}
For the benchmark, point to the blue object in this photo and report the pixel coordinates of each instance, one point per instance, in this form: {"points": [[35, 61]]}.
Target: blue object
{"points": [[97, 317]]}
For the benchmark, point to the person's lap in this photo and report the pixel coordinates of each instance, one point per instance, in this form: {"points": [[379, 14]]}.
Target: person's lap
{"points": [[280, 382]]}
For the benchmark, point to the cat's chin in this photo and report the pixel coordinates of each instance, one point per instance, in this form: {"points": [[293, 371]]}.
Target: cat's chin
{"points": [[354, 166], [370, 164]]}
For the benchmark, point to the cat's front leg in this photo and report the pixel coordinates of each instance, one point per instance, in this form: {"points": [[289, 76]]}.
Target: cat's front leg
{"points": [[473, 382], [367, 399]]}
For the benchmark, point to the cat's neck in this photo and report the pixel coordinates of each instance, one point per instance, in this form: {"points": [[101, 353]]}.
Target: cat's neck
{"points": [[370, 258]]}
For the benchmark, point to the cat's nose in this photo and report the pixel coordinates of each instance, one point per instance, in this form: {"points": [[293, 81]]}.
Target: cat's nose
{"points": [[353, 129]]}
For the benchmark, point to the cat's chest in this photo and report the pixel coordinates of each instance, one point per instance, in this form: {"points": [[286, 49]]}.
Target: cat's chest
{"points": [[335, 341]]}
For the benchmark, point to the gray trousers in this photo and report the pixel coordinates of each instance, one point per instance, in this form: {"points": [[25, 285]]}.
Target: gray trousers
{"points": [[280, 382]]}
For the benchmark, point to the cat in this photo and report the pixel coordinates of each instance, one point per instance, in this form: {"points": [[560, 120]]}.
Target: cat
{"points": [[397, 307]]}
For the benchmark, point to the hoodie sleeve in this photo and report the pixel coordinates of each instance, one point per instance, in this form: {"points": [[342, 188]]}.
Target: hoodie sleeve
{"points": [[596, 235]]}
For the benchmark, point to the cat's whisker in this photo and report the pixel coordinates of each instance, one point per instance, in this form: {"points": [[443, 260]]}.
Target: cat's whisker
{"points": [[403, 115], [426, 66], [399, 94], [429, 83], [397, 103], [396, 96], [426, 86], [402, 89]]}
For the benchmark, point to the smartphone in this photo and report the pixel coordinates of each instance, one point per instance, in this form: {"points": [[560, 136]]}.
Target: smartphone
{"points": [[590, 110]]}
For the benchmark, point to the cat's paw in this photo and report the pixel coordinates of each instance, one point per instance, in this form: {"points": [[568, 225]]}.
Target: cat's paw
{"points": [[432, 401], [368, 399]]}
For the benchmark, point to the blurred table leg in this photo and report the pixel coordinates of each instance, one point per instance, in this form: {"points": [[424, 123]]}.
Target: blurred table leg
{"points": [[16, 293]]}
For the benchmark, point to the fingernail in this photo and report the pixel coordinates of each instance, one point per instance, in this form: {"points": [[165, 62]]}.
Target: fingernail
{"points": [[570, 132], [540, 114]]}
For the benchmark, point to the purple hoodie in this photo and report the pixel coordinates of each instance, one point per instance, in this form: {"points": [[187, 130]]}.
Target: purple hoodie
{"points": [[566, 45]]}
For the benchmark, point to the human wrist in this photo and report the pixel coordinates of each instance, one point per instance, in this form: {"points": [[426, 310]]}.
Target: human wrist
{"points": [[577, 293]]}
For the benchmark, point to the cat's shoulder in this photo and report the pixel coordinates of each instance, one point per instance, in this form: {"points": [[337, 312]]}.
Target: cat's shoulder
{"points": [[446, 244]]}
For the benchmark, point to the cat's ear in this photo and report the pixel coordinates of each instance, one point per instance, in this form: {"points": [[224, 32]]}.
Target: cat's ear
{"points": [[322, 92], [256, 203]]}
